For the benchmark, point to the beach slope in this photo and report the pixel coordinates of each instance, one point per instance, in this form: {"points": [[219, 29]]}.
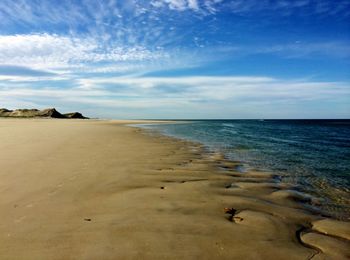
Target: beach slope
{"points": [[102, 190]]}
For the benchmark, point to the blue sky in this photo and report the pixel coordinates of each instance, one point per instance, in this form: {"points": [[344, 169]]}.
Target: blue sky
{"points": [[177, 58]]}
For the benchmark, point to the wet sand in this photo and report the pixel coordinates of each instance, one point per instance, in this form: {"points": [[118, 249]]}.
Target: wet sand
{"points": [[85, 189]]}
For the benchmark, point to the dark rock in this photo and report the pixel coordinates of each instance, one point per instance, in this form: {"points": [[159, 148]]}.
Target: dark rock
{"points": [[4, 112], [50, 112], [76, 115]]}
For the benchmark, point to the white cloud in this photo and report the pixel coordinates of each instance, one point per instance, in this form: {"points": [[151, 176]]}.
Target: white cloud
{"points": [[179, 5], [52, 51], [42, 50], [193, 4]]}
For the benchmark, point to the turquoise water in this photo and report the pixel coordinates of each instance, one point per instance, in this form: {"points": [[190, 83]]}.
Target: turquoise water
{"points": [[312, 154]]}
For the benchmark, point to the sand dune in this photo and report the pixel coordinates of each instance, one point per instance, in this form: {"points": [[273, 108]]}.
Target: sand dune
{"points": [[35, 113], [103, 190]]}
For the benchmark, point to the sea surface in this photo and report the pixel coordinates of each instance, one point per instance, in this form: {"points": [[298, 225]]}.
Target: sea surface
{"points": [[314, 155]]}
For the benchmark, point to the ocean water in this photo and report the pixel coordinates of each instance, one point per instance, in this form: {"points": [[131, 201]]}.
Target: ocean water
{"points": [[314, 155]]}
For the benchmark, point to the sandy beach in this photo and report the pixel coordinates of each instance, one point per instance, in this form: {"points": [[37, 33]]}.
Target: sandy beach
{"points": [[89, 189]]}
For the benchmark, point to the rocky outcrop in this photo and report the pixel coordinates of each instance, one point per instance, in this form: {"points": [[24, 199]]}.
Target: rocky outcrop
{"points": [[50, 112], [46, 113]]}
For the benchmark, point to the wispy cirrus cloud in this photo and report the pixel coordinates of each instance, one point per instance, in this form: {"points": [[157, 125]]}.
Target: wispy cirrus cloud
{"points": [[145, 25], [44, 54], [180, 5], [250, 7], [302, 49], [289, 7], [298, 49], [53, 51], [125, 23]]}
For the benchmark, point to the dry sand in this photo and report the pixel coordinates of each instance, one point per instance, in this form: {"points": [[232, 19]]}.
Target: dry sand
{"points": [[101, 190]]}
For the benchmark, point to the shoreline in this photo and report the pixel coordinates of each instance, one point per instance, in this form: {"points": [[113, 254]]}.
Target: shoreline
{"points": [[313, 199], [143, 198]]}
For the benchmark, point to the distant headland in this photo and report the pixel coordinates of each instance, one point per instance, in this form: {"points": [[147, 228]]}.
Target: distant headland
{"points": [[34, 113]]}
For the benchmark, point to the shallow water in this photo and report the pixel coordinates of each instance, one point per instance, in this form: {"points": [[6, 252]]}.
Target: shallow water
{"points": [[312, 154]]}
